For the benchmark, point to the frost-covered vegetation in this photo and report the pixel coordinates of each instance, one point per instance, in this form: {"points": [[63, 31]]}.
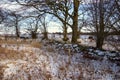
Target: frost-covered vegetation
{"points": [[53, 60]]}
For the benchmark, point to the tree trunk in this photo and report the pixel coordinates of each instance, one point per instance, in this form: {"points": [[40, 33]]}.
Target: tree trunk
{"points": [[75, 22], [78, 34], [17, 30], [74, 35], [100, 40], [101, 33], [34, 35], [65, 38], [46, 35]]}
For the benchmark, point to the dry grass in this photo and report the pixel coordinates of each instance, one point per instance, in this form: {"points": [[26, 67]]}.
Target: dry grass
{"points": [[6, 53], [36, 44], [11, 41], [32, 43], [10, 54], [1, 71]]}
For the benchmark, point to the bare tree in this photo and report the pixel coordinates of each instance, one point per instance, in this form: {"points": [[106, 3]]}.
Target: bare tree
{"points": [[38, 23], [15, 20], [44, 26], [82, 22], [103, 18], [69, 9], [62, 9], [32, 26]]}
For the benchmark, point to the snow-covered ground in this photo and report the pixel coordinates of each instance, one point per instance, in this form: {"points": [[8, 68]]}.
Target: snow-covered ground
{"points": [[56, 61]]}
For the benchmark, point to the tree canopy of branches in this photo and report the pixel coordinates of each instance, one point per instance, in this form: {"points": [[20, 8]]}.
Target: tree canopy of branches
{"points": [[104, 18], [65, 10]]}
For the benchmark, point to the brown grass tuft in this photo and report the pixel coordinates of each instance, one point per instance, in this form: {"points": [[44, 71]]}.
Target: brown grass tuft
{"points": [[10, 54], [15, 41], [36, 44]]}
